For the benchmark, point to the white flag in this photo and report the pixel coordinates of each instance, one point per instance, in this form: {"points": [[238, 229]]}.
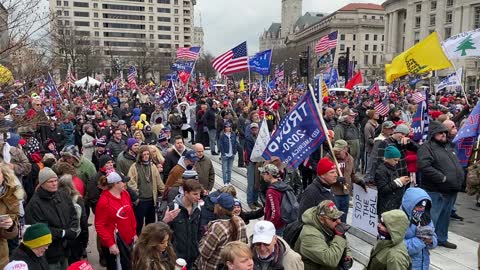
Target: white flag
{"points": [[454, 79], [465, 44], [261, 143]]}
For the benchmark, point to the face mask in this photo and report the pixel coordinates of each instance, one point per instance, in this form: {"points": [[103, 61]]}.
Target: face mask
{"points": [[383, 235], [417, 215]]}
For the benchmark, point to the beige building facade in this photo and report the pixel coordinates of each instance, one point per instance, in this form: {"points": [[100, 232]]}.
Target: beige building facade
{"points": [[360, 27], [125, 29], [409, 21]]}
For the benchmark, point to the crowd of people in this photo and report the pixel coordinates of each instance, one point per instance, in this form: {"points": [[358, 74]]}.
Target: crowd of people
{"points": [[122, 158]]}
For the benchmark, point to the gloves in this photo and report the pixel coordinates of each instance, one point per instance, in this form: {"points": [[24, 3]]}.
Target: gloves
{"points": [[341, 180], [362, 184]]}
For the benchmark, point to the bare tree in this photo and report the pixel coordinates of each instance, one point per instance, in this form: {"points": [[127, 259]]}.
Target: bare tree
{"points": [[29, 63], [204, 66], [23, 24]]}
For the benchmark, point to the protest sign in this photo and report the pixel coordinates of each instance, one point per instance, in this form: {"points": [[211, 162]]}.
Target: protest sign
{"points": [[364, 215]]}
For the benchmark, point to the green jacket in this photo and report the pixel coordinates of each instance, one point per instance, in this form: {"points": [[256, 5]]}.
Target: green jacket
{"points": [[319, 247], [85, 170], [392, 254]]}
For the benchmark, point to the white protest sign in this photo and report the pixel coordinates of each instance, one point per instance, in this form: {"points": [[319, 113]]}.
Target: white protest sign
{"points": [[261, 143], [364, 216]]}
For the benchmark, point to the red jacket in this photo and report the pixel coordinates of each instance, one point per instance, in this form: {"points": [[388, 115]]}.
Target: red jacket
{"points": [[411, 158], [79, 186], [273, 204], [112, 213]]}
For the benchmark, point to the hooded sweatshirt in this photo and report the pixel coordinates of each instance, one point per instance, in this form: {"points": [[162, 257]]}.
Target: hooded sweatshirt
{"points": [[391, 254], [417, 249], [273, 203], [142, 122]]}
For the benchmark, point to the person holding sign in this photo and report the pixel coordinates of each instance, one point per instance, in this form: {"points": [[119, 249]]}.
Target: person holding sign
{"points": [[389, 184]]}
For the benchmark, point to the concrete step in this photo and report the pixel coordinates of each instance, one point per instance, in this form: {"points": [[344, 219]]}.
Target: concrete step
{"points": [[361, 242]]}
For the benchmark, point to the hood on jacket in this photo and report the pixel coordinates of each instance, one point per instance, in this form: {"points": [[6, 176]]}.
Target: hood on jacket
{"points": [[127, 155], [412, 197], [435, 127], [397, 224], [280, 186], [178, 200], [181, 162], [136, 112], [143, 117], [309, 217]]}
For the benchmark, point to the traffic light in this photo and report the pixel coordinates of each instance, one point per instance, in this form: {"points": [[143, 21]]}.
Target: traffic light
{"points": [[342, 66], [303, 67]]}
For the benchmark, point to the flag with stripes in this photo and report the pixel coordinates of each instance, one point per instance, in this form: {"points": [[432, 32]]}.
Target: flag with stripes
{"points": [[132, 77], [279, 73], [326, 43], [232, 61], [70, 76], [420, 121], [188, 53], [51, 88], [374, 90], [418, 97], [382, 107]]}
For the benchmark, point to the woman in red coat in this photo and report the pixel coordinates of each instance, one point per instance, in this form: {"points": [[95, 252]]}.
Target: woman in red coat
{"points": [[115, 221]]}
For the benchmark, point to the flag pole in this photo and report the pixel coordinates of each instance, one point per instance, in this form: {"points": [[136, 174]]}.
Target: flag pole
{"points": [[325, 130], [193, 68], [56, 88]]}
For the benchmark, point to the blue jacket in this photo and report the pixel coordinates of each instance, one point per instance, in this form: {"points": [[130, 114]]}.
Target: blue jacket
{"points": [[223, 144], [417, 249]]}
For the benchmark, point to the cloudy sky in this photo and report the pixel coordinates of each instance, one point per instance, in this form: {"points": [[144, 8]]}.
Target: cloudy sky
{"points": [[227, 23]]}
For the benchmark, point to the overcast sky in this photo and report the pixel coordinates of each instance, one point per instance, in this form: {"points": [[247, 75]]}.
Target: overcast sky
{"points": [[226, 23]]}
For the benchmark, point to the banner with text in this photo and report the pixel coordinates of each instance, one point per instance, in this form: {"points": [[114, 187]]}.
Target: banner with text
{"points": [[261, 143], [299, 134], [364, 216]]}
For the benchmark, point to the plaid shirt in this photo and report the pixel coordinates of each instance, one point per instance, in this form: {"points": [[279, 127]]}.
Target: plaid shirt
{"points": [[216, 237]]}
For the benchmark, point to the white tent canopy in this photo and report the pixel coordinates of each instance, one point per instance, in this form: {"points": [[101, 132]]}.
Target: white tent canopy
{"points": [[91, 82]]}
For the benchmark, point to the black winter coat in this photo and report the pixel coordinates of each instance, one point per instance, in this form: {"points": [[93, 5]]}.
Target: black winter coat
{"points": [[23, 253], [439, 165], [57, 211], [209, 118], [170, 161], [389, 193], [314, 194]]}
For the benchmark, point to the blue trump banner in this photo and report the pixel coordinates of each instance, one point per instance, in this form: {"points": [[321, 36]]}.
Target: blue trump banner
{"points": [[260, 62], [420, 122], [185, 65], [169, 96], [299, 134], [466, 136]]}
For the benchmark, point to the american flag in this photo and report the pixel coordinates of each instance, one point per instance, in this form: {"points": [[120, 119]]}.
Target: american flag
{"points": [[382, 107], [279, 73], [418, 97], [232, 61], [70, 77], [132, 76], [188, 53], [374, 90], [326, 43]]}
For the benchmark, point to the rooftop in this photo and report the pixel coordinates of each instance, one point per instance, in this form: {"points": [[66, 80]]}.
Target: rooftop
{"points": [[357, 6]]}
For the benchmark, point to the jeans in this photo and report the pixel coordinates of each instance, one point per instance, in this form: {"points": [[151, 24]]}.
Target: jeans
{"points": [[342, 205], [252, 192], [442, 204], [227, 164], [368, 168], [145, 209], [241, 144], [212, 136]]}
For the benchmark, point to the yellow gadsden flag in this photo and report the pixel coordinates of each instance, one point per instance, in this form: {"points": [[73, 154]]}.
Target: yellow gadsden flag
{"points": [[324, 89], [242, 85], [425, 56]]}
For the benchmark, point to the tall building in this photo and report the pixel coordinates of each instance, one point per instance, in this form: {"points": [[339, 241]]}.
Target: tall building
{"points": [[409, 21], [198, 36], [129, 31], [274, 37], [4, 36], [360, 27]]}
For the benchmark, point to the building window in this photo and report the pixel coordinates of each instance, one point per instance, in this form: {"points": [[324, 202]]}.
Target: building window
{"points": [[176, 29], [374, 48], [164, 37], [432, 20], [448, 32], [163, 10], [150, 27], [448, 17], [354, 37], [366, 47], [342, 37], [354, 47], [95, 14], [151, 36], [67, 23], [375, 37], [433, 5], [175, 2], [365, 60], [95, 24], [66, 13], [342, 47], [95, 5], [78, 23], [417, 22], [80, 4], [165, 46], [59, 12], [81, 14], [382, 47], [374, 59], [381, 18], [418, 8], [59, 3], [65, 3], [476, 18], [163, 1], [150, 9], [364, 17], [367, 36], [164, 28], [177, 37], [176, 20], [97, 33], [383, 37], [177, 46], [449, 3], [123, 7], [416, 37], [163, 19], [175, 11]]}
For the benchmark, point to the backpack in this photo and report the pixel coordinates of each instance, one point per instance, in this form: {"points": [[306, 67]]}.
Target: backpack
{"points": [[292, 232], [290, 208]]}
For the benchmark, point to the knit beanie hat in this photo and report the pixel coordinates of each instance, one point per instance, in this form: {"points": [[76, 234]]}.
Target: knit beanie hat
{"points": [[103, 160], [325, 165], [80, 265], [45, 174], [391, 152], [131, 142], [101, 143], [37, 235], [13, 139], [71, 151]]}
